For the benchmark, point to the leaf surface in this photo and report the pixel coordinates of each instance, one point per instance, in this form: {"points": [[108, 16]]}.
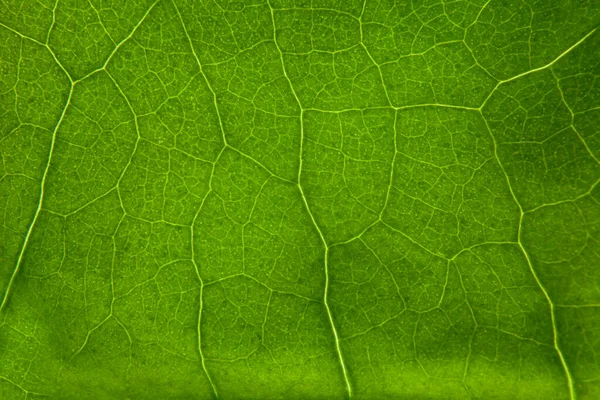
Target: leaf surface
{"points": [[300, 200]]}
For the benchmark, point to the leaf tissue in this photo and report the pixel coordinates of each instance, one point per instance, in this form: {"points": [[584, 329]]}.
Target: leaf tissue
{"points": [[294, 199]]}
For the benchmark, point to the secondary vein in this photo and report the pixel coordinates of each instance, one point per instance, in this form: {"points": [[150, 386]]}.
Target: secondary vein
{"points": [[40, 202], [314, 222]]}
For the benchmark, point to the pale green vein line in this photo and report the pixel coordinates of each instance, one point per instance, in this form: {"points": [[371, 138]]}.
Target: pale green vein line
{"points": [[192, 237], [326, 293], [397, 108], [436, 105], [551, 63], [270, 289], [362, 43], [464, 41], [364, 46], [102, 22], [566, 201], [285, 74], [362, 11], [578, 305], [15, 87], [543, 67], [385, 266], [126, 38], [410, 239], [261, 165], [305, 201], [137, 140], [387, 192], [566, 369], [393, 166], [313, 9], [202, 284], [570, 382], [120, 44], [53, 22], [475, 326], [216, 105], [476, 245], [43, 45], [27, 392], [117, 187], [40, 202], [16, 32], [214, 94], [88, 335], [87, 204], [581, 139], [376, 326]]}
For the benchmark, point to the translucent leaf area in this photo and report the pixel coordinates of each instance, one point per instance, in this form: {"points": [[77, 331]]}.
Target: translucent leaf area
{"points": [[300, 199]]}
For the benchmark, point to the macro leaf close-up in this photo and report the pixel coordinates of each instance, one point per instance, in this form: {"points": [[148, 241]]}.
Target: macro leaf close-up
{"points": [[300, 199]]}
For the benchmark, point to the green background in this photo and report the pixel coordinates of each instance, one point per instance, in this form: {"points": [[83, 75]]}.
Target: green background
{"points": [[300, 199]]}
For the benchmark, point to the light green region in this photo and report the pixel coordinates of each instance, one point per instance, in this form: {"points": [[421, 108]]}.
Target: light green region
{"points": [[294, 199]]}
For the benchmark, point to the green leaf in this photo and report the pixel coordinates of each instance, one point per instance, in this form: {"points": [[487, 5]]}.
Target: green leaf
{"points": [[318, 199]]}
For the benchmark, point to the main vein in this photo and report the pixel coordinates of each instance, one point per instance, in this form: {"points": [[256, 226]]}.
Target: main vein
{"points": [[336, 338], [567, 371], [201, 294], [40, 201]]}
